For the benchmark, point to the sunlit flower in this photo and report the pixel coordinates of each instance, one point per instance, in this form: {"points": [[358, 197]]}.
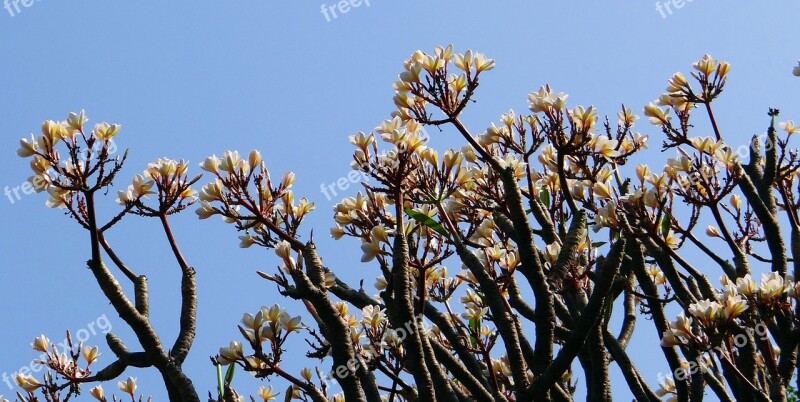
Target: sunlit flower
{"points": [[464, 61], [544, 100], [373, 315], [642, 172], [585, 119], [381, 283], [551, 252], [712, 231], [247, 241], [27, 382], [288, 179], [475, 314], [284, 250], [128, 386], [657, 116], [58, 197], [229, 162], [772, 286], [77, 120], [734, 306], [41, 344], [205, 210], [789, 127], [483, 63], [27, 147], [678, 83], [667, 385], [606, 146], [706, 311], [371, 249], [104, 131], [90, 354], [337, 232], [746, 285], [626, 117], [601, 190], [656, 274], [706, 65], [211, 164], [98, 393], [668, 339], [291, 324], [230, 354]]}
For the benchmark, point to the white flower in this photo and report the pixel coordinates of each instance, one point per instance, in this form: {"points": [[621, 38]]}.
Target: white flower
{"points": [[606, 146], [789, 127], [668, 339], [712, 231], [104, 131], [246, 241], [41, 344], [772, 286], [27, 382], [381, 283], [266, 393], [98, 393], [129, 386], [705, 310], [90, 354], [371, 249], [230, 354], [284, 250], [373, 315], [667, 385], [656, 115], [205, 211], [746, 285], [211, 164], [77, 120], [27, 147]]}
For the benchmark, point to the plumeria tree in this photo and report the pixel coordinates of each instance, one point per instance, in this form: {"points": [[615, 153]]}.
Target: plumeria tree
{"points": [[556, 248]]}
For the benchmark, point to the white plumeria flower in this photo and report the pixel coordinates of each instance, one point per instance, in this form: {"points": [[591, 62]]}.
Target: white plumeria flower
{"points": [[98, 393], [373, 315], [128, 386], [371, 249], [27, 382]]}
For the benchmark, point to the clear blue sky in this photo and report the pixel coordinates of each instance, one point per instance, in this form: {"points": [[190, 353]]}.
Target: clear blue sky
{"points": [[188, 79]]}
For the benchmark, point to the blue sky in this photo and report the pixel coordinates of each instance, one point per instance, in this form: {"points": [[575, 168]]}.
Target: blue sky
{"points": [[188, 79]]}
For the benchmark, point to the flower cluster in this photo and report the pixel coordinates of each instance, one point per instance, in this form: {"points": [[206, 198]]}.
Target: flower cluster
{"points": [[244, 194], [86, 165]]}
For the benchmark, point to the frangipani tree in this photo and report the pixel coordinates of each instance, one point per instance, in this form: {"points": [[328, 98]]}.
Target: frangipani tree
{"points": [[548, 230]]}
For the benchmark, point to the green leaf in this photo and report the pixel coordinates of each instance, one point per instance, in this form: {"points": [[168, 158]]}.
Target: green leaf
{"points": [[220, 384], [474, 325], [544, 195], [289, 394], [229, 374], [599, 243], [427, 221], [666, 223]]}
